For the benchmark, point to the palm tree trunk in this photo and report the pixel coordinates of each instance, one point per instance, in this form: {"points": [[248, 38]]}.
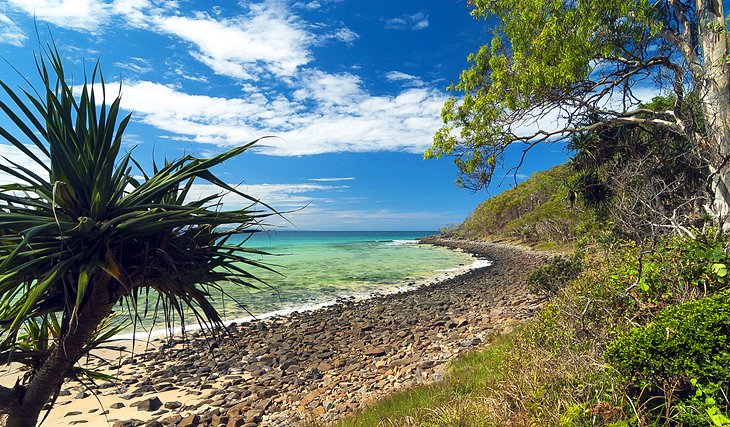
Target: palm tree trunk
{"points": [[64, 356]]}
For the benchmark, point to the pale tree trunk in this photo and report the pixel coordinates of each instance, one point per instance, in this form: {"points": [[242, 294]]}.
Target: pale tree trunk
{"points": [[29, 401], [715, 98]]}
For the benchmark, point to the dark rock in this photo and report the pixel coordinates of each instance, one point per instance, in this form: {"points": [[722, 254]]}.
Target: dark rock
{"points": [[254, 416], [150, 404], [173, 405], [313, 374], [192, 420], [171, 420], [236, 422], [128, 423], [269, 393]]}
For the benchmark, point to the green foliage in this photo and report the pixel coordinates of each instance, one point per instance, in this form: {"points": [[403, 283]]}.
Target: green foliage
{"points": [[578, 65], [637, 176], [449, 229], [541, 52], [553, 372], [685, 341], [682, 268], [707, 406], [87, 233], [40, 335], [683, 355], [535, 210], [554, 275]]}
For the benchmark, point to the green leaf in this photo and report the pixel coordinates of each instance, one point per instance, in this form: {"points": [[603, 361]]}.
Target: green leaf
{"points": [[719, 269]]}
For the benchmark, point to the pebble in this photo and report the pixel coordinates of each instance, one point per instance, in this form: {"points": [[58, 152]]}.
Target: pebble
{"points": [[331, 362]]}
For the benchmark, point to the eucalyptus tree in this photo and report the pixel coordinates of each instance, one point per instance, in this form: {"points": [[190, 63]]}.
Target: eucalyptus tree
{"points": [[556, 68], [82, 231]]}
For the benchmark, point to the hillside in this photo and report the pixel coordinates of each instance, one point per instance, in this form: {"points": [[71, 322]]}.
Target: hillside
{"points": [[536, 210], [634, 332]]}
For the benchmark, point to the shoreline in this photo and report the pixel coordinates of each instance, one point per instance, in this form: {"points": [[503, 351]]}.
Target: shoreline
{"points": [[315, 365], [126, 339]]}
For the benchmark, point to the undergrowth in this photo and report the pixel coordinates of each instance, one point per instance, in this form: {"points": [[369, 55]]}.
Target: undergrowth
{"points": [[637, 335]]}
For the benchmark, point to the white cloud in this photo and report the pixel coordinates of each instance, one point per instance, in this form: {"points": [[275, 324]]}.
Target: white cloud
{"points": [[344, 35], [93, 15], [332, 89], [312, 111], [282, 197], [340, 117], [83, 15], [136, 12], [10, 33], [267, 39], [312, 5], [349, 178], [408, 79], [11, 153], [397, 75], [135, 65], [417, 21]]}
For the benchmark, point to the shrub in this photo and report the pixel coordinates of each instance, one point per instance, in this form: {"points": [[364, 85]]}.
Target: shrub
{"points": [[551, 277], [684, 346]]}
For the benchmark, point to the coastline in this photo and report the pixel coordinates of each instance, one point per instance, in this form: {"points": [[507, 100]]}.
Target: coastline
{"points": [[316, 365]]}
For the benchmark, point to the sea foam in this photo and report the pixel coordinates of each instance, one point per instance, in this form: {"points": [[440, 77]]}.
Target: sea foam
{"points": [[401, 242]]}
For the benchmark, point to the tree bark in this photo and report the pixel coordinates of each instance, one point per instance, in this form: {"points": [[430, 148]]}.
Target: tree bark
{"points": [[48, 379], [715, 98]]}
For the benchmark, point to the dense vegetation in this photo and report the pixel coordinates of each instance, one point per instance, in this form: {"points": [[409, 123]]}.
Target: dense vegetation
{"points": [[537, 210], [635, 334], [637, 330]]}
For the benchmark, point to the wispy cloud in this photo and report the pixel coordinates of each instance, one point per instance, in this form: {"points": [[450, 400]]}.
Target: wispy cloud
{"points": [[283, 197], [10, 33], [349, 178], [398, 76], [417, 21], [136, 65], [343, 34], [310, 5], [308, 206]]}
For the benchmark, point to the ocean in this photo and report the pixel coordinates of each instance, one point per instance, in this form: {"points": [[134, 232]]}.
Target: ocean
{"points": [[319, 267]]}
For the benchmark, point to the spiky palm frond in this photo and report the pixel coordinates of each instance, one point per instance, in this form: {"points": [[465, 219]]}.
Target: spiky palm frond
{"points": [[86, 221]]}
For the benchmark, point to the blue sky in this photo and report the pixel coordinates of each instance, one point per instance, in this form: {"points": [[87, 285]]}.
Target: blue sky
{"points": [[352, 89]]}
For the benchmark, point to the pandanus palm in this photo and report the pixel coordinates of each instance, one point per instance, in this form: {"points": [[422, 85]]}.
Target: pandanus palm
{"points": [[79, 233]]}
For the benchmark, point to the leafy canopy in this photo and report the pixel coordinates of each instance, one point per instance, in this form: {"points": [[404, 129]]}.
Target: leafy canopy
{"points": [[560, 61]]}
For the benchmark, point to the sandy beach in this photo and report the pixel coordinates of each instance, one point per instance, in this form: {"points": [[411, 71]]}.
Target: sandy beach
{"points": [[317, 365]]}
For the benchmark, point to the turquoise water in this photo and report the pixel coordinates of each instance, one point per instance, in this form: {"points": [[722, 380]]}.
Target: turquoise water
{"points": [[319, 267]]}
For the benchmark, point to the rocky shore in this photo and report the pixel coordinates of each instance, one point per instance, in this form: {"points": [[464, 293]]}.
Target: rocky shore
{"points": [[313, 366]]}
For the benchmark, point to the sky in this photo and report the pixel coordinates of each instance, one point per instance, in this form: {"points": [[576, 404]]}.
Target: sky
{"points": [[350, 92]]}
